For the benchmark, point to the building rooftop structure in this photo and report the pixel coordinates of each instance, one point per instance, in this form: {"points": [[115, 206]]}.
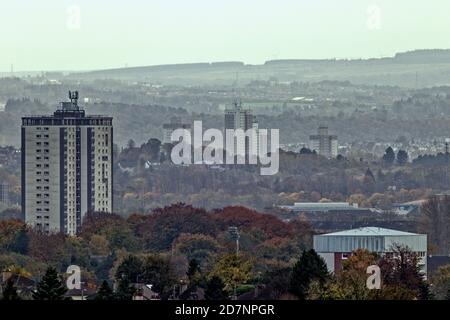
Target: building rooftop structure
{"points": [[370, 231], [321, 206]]}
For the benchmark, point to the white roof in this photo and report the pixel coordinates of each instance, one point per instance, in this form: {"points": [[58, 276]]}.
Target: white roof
{"points": [[370, 231]]}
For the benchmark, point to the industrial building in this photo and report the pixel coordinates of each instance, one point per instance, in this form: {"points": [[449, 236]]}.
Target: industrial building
{"points": [[336, 247]]}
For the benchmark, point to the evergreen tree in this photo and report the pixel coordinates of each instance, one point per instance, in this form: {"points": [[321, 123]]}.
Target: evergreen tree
{"points": [[193, 269], [215, 289], [10, 291], [51, 287], [402, 157], [305, 150], [309, 267], [20, 244], [368, 176], [125, 291], [104, 292], [389, 156]]}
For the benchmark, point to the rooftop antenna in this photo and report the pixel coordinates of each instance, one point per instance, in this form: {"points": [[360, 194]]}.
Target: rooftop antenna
{"points": [[73, 96]]}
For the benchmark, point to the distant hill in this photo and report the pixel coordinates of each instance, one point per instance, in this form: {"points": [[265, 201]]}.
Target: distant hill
{"points": [[424, 56], [414, 68]]}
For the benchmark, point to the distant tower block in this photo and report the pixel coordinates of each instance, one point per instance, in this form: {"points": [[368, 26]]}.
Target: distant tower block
{"points": [[4, 194], [240, 118], [323, 143]]}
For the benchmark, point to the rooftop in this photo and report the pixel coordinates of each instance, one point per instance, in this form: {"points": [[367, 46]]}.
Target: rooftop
{"points": [[370, 231], [322, 206]]}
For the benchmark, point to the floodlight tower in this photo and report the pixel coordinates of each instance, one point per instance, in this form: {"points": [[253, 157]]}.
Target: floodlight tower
{"points": [[234, 232]]}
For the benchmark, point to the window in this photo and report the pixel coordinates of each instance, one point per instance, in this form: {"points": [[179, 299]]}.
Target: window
{"points": [[345, 256]]}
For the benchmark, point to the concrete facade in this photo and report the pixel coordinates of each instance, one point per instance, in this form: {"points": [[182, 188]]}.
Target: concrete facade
{"points": [[66, 167]]}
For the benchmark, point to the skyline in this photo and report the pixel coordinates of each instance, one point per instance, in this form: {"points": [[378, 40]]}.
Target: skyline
{"points": [[49, 36]]}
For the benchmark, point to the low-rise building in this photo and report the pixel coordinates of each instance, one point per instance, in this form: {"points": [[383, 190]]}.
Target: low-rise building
{"points": [[336, 247]]}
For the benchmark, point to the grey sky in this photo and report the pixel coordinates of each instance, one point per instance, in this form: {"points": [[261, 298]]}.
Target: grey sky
{"points": [[45, 35]]}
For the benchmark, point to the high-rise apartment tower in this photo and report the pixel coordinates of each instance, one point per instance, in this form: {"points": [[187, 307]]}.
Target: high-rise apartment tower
{"points": [[66, 167]]}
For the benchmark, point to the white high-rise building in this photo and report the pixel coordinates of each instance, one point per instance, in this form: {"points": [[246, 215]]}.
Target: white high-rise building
{"points": [[240, 118], [324, 144], [170, 127], [66, 167]]}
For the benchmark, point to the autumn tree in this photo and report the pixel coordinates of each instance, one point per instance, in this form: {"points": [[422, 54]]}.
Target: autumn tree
{"points": [[164, 225], [233, 270], [401, 277], [13, 236], [435, 222], [197, 246], [349, 283], [158, 270], [131, 268], [440, 281]]}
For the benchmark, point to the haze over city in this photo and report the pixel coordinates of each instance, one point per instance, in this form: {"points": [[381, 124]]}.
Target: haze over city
{"points": [[83, 34]]}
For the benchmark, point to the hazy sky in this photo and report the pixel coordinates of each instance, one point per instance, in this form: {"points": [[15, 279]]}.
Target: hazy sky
{"points": [[46, 34]]}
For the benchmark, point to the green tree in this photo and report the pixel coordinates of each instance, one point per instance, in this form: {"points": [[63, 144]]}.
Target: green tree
{"points": [[389, 156], [215, 289], [104, 292], [10, 291], [125, 290], [402, 157], [309, 267], [160, 272], [131, 268], [51, 287], [194, 272]]}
